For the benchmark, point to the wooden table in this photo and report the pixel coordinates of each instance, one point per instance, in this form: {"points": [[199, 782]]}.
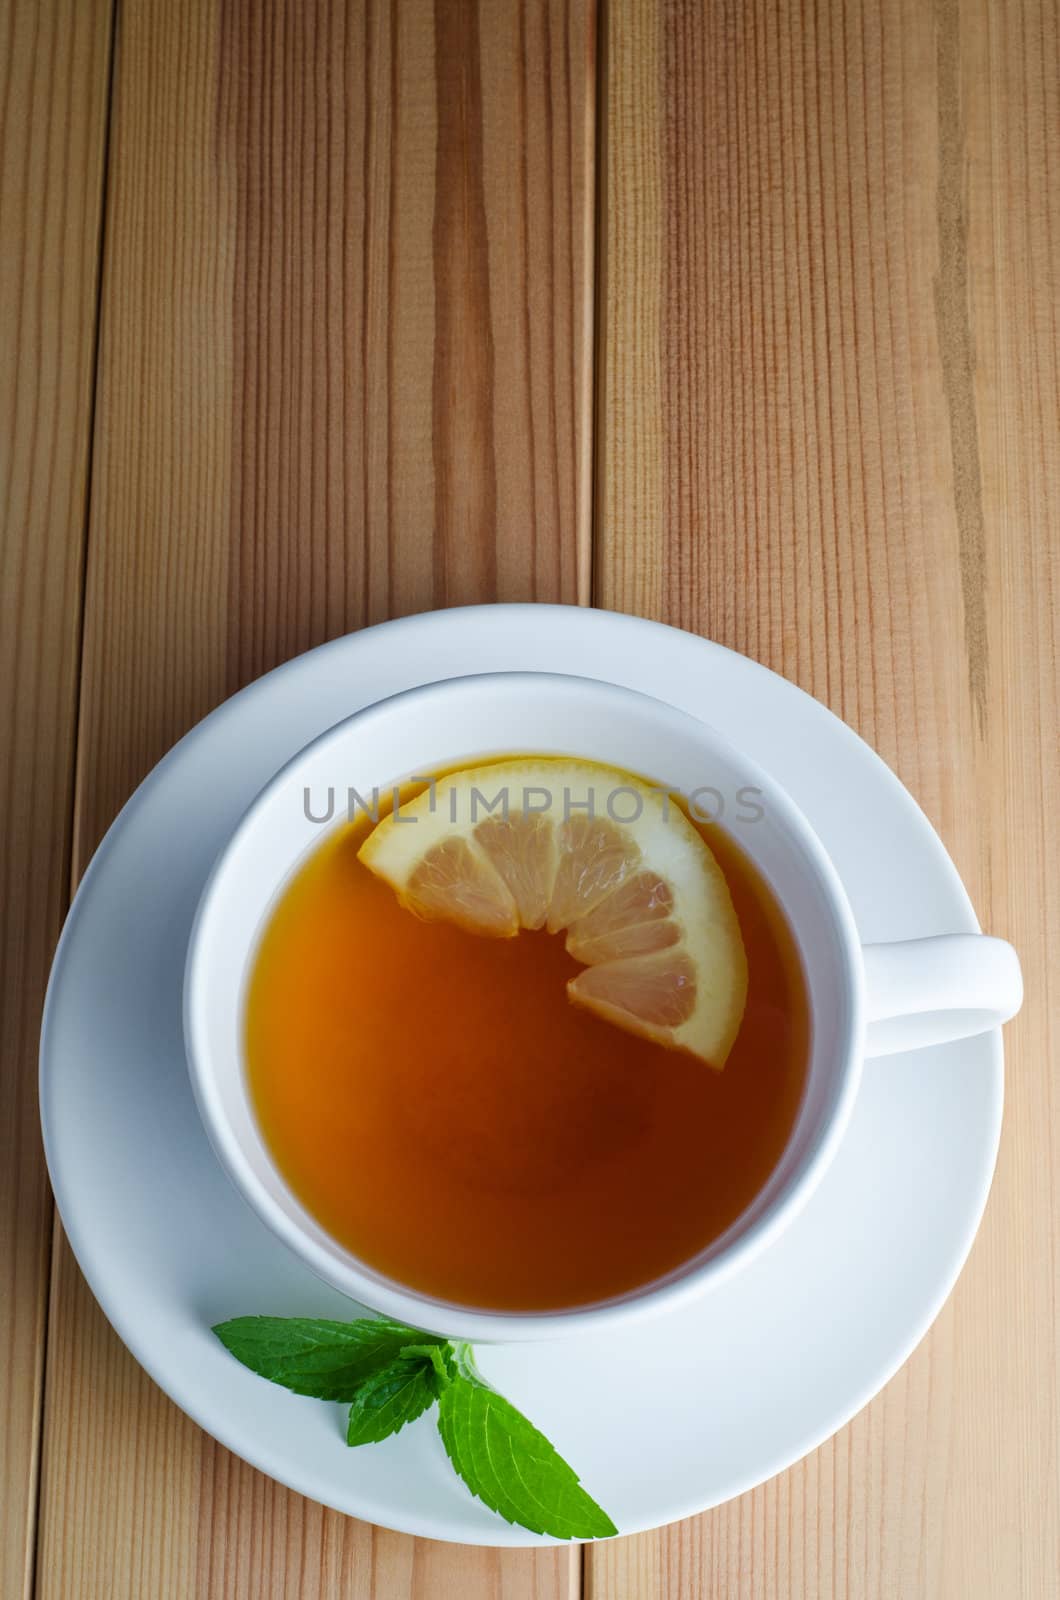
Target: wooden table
{"points": [[736, 313]]}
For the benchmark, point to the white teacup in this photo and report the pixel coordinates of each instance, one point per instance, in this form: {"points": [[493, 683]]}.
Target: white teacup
{"points": [[864, 1001]]}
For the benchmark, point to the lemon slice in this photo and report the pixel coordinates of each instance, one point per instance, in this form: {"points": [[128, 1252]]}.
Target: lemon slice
{"points": [[541, 843]]}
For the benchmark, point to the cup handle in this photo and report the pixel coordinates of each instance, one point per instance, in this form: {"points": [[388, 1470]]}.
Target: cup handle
{"points": [[930, 991]]}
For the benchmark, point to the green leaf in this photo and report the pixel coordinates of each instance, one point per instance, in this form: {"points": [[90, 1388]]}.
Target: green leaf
{"points": [[508, 1463], [328, 1360], [440, 1357], [396, 1394]]}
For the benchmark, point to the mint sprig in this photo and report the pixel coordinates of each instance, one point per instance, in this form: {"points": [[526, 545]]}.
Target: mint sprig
{"points": [[389, 1375]]}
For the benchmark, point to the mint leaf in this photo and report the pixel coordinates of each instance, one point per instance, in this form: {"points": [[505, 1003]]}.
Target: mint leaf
{"points": [[439, 1355], [508, 1463], [396, 1394], [327, 1360]]}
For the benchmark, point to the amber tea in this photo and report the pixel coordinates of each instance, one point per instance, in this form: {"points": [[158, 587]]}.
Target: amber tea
{"points": [[437, 1102]]}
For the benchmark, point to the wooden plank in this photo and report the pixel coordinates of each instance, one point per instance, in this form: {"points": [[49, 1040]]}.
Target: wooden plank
{"points": [[344, 374], [827, 437], [999, 85], [54, 63]]}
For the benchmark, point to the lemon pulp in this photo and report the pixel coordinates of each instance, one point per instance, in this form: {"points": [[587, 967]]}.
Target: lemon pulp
{"points": [[587, 850]]}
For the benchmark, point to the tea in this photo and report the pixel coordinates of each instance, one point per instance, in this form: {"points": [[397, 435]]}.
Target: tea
{"points": [[434, 1099]]}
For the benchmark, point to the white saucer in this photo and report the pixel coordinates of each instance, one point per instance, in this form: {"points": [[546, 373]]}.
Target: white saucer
{"points": [[661, 1421]]}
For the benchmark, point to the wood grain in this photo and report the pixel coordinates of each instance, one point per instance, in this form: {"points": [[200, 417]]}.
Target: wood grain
{"points": [[54, 61], [343, 374], [827, 436], [346, 338], [1003, 1525]]}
